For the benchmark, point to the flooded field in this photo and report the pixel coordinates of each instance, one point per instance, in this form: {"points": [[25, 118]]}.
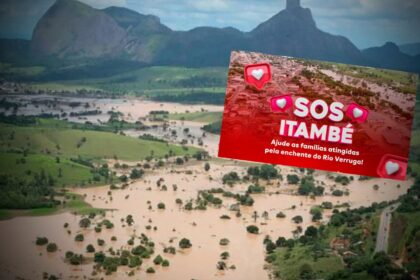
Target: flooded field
{"points": [[21, 257], [132, 108]]}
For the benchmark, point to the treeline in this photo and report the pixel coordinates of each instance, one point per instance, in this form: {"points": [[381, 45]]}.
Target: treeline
{"points": [[201, 97], [214, 127], [200, 81], [17, 193]]}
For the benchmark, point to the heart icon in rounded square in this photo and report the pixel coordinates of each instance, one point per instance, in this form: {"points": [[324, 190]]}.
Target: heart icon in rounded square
{"points": [[280, 103], [357, 113], [257, 74], [392, 167]]}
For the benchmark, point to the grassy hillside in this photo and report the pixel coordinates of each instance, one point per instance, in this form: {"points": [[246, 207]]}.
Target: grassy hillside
{"points": [[39, 156], [204, 117], [214, 127], [162, 83], [342, 249], [288, 263], [71, 173], [73, 143], [403, 224], [73, 203]]}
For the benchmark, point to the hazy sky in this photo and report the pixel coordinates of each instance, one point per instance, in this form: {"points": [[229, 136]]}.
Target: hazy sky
{"points": [[365, 22]]}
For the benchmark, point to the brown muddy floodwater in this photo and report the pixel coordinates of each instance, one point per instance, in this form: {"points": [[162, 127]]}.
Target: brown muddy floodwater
{"points": [[21, 257]]}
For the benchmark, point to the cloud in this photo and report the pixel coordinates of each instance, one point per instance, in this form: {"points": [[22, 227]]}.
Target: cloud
{"points": [[18, 18], [100, 4], [365, 22]]}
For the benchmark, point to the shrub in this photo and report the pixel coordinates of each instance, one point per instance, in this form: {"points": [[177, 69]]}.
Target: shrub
{"points": [[79, 237], [129, 220], [40, 241], [344, 180], [170, 250], [311, 231], [52, 247], [90, 248], [179, 161], [150, 270], [327, 205], [230, 178], [69, 254], [255, 189], [138, 250], [161, 205], [206, 166], [280, 215], [297, 219], [184, 243], [76, 259], [224, 242], [136, 173], [165, 263], [224, 255], [306, 272], [99, 257], [267, 171], [84, 223], [306, 186], [158, 260], [292, 179], [252, 229], [134, 261]]}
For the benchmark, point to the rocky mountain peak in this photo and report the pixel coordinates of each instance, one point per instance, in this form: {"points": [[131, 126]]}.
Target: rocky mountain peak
{"points": [[292, 4]]}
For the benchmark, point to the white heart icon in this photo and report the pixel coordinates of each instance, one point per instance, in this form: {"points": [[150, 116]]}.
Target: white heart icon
{"points": [[391, 167], [357, 113], [257, 73], [281, 103]]}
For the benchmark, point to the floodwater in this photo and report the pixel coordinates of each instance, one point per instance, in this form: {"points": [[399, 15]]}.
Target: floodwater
{"points": [[133, 108], [20, 256], [203, 227]]}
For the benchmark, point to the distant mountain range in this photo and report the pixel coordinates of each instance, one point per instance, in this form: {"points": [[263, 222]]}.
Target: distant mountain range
{"points": [[71, 30], [411, 49]]}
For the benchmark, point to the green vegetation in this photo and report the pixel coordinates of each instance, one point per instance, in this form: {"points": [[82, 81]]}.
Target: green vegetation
{"points": [[290, 264], [404, 239], [79, 237], [52, 247], [40, 241], [204, 117], [185, 243], [265, 171], [343, 249], [39, 155], [163, 83], [214, 127], [401, 81], [307, 186], [292, 179], [31, 204], [252, 229], [88, 144], [230, 178], [224, 242], [64, 172], [255, 189]]}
